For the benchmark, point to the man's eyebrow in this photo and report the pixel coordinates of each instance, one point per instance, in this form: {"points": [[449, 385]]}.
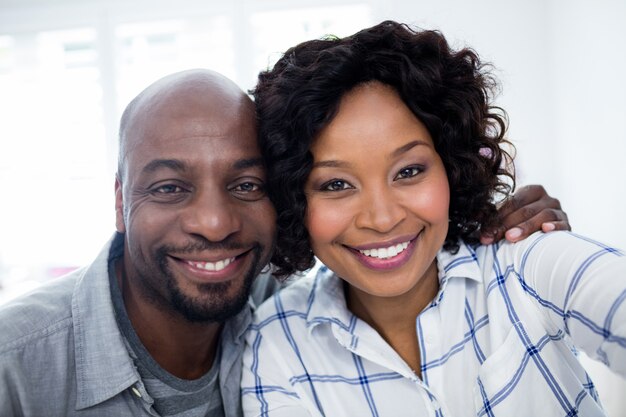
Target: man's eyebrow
{"points": [[173, 164], [248, 163]]}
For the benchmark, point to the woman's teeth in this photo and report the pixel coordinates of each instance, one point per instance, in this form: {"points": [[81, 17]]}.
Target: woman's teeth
{"points": [[384, 253]]}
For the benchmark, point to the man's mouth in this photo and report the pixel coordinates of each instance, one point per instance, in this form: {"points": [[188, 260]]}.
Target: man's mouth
{"points": [[212, 266], [205, 268]]}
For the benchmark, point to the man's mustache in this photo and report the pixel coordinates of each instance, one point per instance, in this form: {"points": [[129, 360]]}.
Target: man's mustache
{"points": [[200, 244]]}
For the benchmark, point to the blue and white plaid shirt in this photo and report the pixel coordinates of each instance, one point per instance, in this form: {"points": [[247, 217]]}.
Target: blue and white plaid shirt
{"points": [[498, 340]]}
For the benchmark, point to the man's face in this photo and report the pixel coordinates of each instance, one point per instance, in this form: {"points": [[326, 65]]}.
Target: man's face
{"points": [[191, 201]]}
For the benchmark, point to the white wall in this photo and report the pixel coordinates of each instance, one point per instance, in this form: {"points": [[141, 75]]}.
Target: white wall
{"points": [[589, 82]]}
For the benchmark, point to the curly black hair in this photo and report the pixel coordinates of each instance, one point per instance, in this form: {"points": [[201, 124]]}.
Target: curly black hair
{"points": [[448, 91]]}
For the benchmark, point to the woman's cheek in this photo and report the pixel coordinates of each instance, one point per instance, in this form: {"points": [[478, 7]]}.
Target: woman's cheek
{"points": [[326, 219]]}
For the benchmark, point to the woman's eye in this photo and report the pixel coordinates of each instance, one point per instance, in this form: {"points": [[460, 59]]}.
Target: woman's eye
{"points": [[168, 189], [336, 185], [408, 172]]}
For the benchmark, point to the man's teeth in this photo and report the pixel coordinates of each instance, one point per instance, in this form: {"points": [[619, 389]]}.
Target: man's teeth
{"points": [[213, 266], [384, 253]]}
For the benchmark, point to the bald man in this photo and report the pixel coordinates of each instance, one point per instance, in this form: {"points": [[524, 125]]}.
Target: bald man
{"points": [[154, 325]]}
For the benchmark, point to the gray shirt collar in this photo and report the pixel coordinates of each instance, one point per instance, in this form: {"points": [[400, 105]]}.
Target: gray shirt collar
{"points": [[100, 373]]}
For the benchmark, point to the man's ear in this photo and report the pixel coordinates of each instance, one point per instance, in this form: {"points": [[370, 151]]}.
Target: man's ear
{"points": [[119, 207]]}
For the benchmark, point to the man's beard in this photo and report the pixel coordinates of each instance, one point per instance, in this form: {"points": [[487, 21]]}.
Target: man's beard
{"points": [[212, 305], [215, 307]]}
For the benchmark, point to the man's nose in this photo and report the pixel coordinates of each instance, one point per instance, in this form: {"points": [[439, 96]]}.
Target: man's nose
{"points": [[211, 214]]}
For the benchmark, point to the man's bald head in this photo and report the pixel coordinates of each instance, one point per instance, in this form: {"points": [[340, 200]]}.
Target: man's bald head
{"points": [[192, 94]]}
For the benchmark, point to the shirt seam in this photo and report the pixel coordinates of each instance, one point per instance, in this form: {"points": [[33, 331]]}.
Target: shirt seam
{"points": [[40, 334]]}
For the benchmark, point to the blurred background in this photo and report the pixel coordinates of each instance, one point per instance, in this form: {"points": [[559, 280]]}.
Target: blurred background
{"points": [[69, 67]]}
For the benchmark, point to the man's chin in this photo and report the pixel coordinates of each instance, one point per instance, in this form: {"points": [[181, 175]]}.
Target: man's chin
{"points": [[215, 301], [212, 304]]}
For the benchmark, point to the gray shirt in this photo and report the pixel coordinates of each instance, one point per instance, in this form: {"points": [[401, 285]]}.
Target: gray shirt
{"points": [[62, 353], [172, 396]]}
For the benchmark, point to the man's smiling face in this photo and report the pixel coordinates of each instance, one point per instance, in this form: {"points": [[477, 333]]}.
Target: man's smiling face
{"points": [[191, 199]]}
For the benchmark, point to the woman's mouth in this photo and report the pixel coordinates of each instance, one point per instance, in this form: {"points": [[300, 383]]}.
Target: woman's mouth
{"points": [[388, 252], [385, 256]]}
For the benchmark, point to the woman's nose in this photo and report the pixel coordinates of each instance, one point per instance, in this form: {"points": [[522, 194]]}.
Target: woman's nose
{"points": [[380, 210]]}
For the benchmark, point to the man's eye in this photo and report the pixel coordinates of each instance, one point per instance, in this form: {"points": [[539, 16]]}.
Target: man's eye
{"points": [[168, 189], [408, 172], [247, 187], [248, 190], [336, 185]]}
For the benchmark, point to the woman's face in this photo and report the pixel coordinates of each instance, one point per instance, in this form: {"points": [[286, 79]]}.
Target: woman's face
{"points": [[377, 195]]}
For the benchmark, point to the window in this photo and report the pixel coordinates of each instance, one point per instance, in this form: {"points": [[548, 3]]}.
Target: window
{"points": [[67, 74]]}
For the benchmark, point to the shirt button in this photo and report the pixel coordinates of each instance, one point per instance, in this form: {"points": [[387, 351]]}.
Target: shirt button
{"points": [[430, 339], [136, 392]]}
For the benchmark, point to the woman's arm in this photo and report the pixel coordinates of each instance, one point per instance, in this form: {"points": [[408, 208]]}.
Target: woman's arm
{"points": [[581, 284]]}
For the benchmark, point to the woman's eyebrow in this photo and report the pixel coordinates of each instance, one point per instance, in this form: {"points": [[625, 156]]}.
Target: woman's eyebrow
{"points": [[331, 163], [404, 148]]}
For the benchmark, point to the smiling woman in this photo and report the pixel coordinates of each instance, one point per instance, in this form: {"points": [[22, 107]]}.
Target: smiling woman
{"points": [[362, 205], [385, 153], [377, 219]]}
